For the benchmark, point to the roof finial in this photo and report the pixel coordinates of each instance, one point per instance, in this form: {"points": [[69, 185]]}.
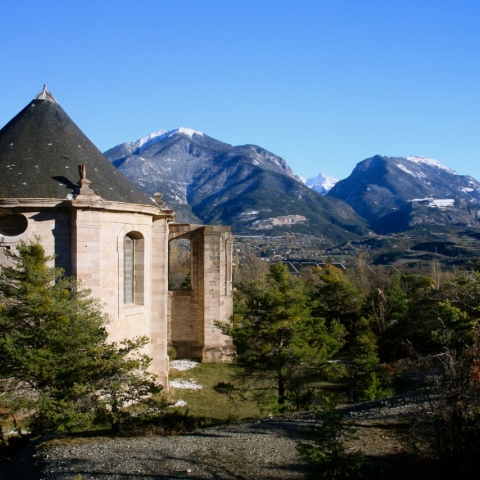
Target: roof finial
{"points": [[84, 183], [45, 95]]}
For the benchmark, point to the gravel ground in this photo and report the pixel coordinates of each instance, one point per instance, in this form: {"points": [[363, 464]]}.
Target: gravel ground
{"points": [[257, 450]]}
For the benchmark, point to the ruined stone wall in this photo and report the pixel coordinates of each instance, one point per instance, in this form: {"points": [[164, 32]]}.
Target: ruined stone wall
{"points": [[192, 313], [186, 332]]}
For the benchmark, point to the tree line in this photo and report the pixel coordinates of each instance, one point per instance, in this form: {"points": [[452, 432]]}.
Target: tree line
{"points": [[357, 328]]}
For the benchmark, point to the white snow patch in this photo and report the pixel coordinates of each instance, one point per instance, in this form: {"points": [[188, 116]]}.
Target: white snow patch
{"points": [[186, 131], [251, 212], [179, 403], [142, 141], [436, 202], [405, 169], [14, 432], [183, 365], [186, 384], [467, 190], [442, 203], [432, 162]]}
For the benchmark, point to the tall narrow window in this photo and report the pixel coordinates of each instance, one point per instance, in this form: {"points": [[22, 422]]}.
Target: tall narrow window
{"points": [[128, 269]]}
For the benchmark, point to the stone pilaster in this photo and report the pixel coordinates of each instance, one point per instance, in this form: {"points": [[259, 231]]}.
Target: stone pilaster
{"points": [[218, 301], [159, 300]]}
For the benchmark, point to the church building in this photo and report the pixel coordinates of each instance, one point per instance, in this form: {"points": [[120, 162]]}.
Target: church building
{"points": [[57, 186]]}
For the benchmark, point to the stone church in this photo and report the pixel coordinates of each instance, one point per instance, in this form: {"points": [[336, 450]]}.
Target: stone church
{"points": [[56, 185]]}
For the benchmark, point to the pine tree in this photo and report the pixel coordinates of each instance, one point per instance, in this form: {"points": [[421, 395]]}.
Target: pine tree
{"points": [[337, 299], [277, 337], [54, 352]]}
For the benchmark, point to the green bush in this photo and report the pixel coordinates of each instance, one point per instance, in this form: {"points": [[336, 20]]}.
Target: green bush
{"points": [[327, 451]]}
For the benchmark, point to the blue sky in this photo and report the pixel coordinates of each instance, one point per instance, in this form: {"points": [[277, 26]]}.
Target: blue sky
{"points": [[323, 84]]}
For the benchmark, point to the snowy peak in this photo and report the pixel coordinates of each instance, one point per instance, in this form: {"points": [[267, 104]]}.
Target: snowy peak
{"points": [[185, 131], [431, 162], [147, 139], [321, 183], [156, 137], [161, 135]]}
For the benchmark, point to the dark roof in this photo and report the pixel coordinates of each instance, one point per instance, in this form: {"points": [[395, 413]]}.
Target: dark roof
{"points": [[40, 152]]}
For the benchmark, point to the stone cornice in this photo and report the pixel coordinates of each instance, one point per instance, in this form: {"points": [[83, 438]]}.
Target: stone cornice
{"points": [[83, 204]]}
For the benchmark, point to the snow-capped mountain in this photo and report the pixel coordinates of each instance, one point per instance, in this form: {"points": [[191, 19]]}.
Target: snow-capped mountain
{"points": [[253, 190], [396, 193], [321, 183]]}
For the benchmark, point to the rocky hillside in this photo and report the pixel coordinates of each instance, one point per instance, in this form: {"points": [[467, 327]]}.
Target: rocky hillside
{"points": [[247, 187], [395, 194]]}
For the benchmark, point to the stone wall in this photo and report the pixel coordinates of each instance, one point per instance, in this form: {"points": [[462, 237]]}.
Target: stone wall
{"points": [[53, 228]]}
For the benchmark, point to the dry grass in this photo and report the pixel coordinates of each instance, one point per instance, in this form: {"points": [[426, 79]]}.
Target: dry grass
{"points": [[206, 402]]}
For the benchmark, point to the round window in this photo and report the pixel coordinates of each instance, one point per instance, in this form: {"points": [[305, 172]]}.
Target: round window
{"points": [[13, 225]]}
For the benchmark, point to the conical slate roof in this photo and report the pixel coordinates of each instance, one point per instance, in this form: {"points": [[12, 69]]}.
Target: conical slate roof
{"points": [[40, 153]]}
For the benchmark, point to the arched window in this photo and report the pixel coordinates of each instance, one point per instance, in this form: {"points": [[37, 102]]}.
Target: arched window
{"points": [[133, 263]]}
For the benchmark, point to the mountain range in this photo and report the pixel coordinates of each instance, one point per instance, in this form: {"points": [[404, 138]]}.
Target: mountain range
{"points": [[208, 181], [255, 191]]}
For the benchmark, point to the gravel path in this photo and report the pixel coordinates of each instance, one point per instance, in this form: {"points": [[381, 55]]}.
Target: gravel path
{"points": [[259, 450]]}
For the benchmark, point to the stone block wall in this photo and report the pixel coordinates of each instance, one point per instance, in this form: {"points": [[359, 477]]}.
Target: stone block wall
{"points": [[53, 228]]}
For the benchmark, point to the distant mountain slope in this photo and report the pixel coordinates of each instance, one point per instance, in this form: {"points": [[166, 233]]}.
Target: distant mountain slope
{"points": [[395, 193], [247, 187]]}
